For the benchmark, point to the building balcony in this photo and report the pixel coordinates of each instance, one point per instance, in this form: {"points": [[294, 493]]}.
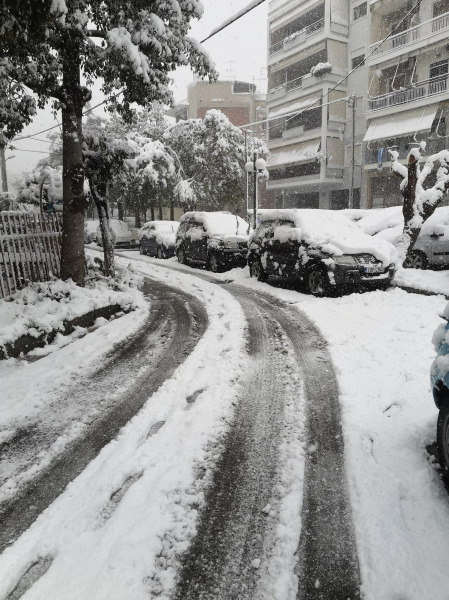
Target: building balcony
{"points": [[435, 28], [297, 38], [432, 147], [275, 4], [412, 93], [304, 82]]}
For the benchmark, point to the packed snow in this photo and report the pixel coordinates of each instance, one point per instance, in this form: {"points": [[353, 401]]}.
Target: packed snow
{"points": [[381, 346]]}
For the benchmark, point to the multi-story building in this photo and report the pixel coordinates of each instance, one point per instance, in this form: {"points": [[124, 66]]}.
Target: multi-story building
{"points": [[408, 93], [238, 100], [332, 128]]}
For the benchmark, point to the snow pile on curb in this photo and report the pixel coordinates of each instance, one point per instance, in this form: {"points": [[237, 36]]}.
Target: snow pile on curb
{"points": [[44, 307]]}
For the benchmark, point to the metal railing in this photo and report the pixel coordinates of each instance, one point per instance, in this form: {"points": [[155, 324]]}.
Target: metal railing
{"points": [[432, 147], [293, 84], [412, 93], [411, 35], [306, 31]]}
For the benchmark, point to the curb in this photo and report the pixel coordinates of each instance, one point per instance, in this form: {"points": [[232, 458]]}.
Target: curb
{"points": [[27, 342]]}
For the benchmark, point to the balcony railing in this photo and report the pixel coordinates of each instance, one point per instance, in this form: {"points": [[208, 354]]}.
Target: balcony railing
{"points": [[424, 30], [293, 84], [417, 91], [298, 37], [274, 4], [432, 147]]}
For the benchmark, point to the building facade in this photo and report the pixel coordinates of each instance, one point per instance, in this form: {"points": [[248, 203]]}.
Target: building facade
{"points": [[330, 130], [238, 100]]}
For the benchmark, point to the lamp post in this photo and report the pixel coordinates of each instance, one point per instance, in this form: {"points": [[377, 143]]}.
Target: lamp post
{"points": [[256, 165]]}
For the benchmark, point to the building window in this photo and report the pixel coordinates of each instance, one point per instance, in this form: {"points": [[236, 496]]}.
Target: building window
{"points": [[357, 61], [311, 168], [438, 69], [359, 11], [295, 200], [241, 87]]}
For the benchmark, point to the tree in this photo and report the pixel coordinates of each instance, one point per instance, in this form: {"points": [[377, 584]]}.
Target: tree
{"points": [[47, 46], [419, 202], [213, 156]]}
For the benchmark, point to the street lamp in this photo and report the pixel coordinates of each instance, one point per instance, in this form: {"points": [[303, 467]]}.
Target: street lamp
{"points": [[256, 165]]}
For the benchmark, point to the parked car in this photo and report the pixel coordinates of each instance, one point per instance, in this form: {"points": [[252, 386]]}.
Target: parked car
{"points": [[432, 246], [124, 236], [158, 238], [439, 379], [321, 249], [90, 231], [217, 240]]}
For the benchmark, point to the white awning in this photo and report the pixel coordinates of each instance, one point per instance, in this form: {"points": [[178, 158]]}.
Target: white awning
{"points": [[406, 123], [305, 152], [296, 106]]}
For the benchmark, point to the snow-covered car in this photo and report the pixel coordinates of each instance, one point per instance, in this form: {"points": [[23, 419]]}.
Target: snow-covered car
{"points": [[90, 231], [432, 246], [158, 238], [217, 240], [439, 379], [322, 249], [124, 236]]}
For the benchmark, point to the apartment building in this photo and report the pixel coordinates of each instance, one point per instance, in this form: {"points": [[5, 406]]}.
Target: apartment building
{"points": [[332, 129], [238, 100]]}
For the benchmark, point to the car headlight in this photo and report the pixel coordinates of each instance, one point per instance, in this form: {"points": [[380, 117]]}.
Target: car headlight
{"points": [[345, 259]]}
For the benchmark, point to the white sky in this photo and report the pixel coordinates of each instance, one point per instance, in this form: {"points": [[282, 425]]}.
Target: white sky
{"points": [[239, 52]]}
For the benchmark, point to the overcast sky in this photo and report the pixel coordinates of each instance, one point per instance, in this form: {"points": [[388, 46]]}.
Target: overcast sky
{"points": [[239, 52]]}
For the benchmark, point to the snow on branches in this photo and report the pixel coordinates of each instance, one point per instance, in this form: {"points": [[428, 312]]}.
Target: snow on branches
{"points": [[420, 201]]}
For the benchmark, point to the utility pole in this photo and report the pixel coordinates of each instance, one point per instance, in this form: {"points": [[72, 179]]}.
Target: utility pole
{"points": [[352, 103]]}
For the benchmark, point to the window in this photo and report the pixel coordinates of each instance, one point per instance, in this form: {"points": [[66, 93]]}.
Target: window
{"points": [[359, 11], [438, 69], [241, 87], [357, 61], [310, 168]]}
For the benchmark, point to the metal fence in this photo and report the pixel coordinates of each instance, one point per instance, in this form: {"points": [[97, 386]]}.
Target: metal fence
{"points": [[30, 249]]}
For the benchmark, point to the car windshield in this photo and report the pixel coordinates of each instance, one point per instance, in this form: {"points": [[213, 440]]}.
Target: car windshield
{"points": [[223, 224], [166, 227]]}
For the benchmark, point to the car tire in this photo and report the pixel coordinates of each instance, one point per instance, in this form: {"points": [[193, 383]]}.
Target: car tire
{"points": [[256, 270], [443, 438], [182, 256], [318, 282], [160, 252], [417, 260], [213, 264]]}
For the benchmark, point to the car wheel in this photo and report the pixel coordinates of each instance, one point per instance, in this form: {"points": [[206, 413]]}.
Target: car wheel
{"points": [[317, 281], [417, 260], [213, 263], [160, 253], [256, 270], [182, 257], [443, 438]]}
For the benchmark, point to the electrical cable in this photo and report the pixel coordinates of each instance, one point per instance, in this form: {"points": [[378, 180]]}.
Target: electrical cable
{"points": [[341, 80], [214, 32]]}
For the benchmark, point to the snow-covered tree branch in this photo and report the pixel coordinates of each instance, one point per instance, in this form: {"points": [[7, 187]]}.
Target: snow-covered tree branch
{"points": [[419, 202]]}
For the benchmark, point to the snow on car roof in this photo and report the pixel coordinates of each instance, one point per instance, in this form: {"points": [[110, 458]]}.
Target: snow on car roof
{"points": [[380, 219], [164, 225], [218, 223], [333, 232]]}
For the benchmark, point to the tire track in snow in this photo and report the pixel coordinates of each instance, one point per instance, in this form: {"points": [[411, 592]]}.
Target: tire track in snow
{"points": [[142, 361]]}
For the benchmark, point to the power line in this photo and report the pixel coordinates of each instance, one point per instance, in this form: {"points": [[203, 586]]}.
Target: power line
{"points": [[227, 23], [341, 80]]}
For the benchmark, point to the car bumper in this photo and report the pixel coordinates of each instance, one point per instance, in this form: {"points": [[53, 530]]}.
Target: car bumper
{"points": [[348, 276], [235, 258]]}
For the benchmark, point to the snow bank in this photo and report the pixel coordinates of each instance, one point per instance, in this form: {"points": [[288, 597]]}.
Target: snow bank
{"points": [[43, 307]]}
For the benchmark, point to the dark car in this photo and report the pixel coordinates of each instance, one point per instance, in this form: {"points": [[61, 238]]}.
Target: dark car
{"points": [[216, 240], [321, 249], [157, 238]]}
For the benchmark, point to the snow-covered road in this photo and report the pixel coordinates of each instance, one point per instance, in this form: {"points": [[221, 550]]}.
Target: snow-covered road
{"points": [[131, 513]]}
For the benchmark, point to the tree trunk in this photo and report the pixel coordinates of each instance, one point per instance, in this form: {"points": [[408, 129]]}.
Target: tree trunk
{"points": [[107, 236], [152, 213], [161, 216], [72, 249], [172, 211], [137, 218], [121, 212]]}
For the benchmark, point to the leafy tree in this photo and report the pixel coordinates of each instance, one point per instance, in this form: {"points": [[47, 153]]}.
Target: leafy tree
{"points": [[419, 202], [47, 46], [212, 154]]}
